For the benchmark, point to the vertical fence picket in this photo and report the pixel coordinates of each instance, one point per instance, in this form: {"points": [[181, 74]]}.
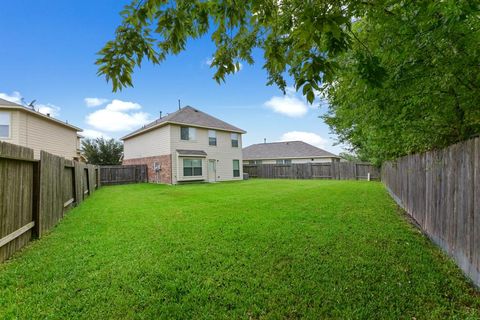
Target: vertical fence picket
{"points": [[440, 189]]}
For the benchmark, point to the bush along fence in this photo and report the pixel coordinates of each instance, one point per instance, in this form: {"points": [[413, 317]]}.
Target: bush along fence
{"points": [[441, 191], [36, 194], [327, 170], [110, 175]]}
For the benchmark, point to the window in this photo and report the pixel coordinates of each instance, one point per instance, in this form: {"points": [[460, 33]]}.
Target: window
{"points": [[212, 137], [285, 161], [192, 167], [234, 137], [236, 168], [257, 161], [187, 133], [4, 124]]}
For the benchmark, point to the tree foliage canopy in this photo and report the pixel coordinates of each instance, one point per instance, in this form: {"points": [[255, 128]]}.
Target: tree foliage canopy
{"points": [[400, 76], [300, 38], [102, 151], [422, 87]]}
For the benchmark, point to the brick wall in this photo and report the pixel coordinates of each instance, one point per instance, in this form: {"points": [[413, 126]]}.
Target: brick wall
{"points": [[165, 161]]}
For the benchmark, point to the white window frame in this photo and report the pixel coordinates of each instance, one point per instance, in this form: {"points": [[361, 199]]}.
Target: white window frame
{"points": [[193, 167], [192, 132], [212, 134], [283, 161], [235, 137], [9, 116], [233, 167]]}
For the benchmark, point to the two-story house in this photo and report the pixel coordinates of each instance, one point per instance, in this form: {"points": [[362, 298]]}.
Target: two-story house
{"points": [[29, 128], [187, 145]]}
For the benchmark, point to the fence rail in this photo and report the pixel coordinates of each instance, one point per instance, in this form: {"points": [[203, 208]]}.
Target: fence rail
{"points": [[331, 170], [122, 174], [441, 191], [35, 194]]}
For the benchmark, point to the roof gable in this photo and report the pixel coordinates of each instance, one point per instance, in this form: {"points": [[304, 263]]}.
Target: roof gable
{"points": [[187, 116], [287, 149]]}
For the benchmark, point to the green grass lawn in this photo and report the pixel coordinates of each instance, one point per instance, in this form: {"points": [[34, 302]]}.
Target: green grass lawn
{"points": [[252, 249]]}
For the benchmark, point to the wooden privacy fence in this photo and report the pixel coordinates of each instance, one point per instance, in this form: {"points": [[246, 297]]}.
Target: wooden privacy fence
{"points": [[330, 170], [110, 175], [441, 191], [35, 194]]}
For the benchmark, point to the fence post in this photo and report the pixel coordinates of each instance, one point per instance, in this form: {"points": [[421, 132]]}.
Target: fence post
{"points": [[36, 198]]}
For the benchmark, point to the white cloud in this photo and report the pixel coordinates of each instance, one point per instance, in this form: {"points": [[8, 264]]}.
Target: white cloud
{"points": [[15, 97], [308, 137], [48, 109], [119, 105], [93, 134], [117, 116], [95, 102], [288, 104]]}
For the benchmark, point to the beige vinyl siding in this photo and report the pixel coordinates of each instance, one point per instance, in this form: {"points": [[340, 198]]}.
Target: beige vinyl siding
{"points": [[223, 152], [152, 143], [41, 134]]}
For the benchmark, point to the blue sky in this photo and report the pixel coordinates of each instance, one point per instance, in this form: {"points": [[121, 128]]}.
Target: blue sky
{"points": [[48, 52]]}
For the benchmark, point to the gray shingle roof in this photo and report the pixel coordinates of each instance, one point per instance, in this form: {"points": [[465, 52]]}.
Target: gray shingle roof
{"points": [[188, 116], [284, 150]]}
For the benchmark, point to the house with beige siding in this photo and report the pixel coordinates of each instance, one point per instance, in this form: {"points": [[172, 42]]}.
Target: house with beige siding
{"points": [[187, 145], [286, 152], [29, 128]]}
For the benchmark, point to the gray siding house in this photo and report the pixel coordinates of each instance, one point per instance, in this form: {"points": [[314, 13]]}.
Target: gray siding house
{"points": [[286, 152]]}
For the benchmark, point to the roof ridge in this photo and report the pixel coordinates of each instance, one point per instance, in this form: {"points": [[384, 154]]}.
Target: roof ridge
{"points": [[187, 115], [262, 143]]}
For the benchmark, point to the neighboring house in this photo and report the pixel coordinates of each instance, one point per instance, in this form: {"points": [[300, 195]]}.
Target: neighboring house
{"points": [[187, 145], [29, 128], [286, 153]]}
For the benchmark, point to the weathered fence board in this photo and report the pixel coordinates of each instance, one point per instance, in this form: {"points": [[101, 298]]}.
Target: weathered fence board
{"points": [[16, 197], [34, 195], [60, 182], [110, 175], [331, 170], [51, 193], [441, 190]]}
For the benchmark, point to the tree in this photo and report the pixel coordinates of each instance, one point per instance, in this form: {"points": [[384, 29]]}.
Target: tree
{"points": [[102, 151], [400, 76], [350, 157], [412, 81]]}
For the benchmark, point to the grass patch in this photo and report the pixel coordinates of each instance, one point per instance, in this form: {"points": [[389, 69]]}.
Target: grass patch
{"points": [[251, 249]]}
